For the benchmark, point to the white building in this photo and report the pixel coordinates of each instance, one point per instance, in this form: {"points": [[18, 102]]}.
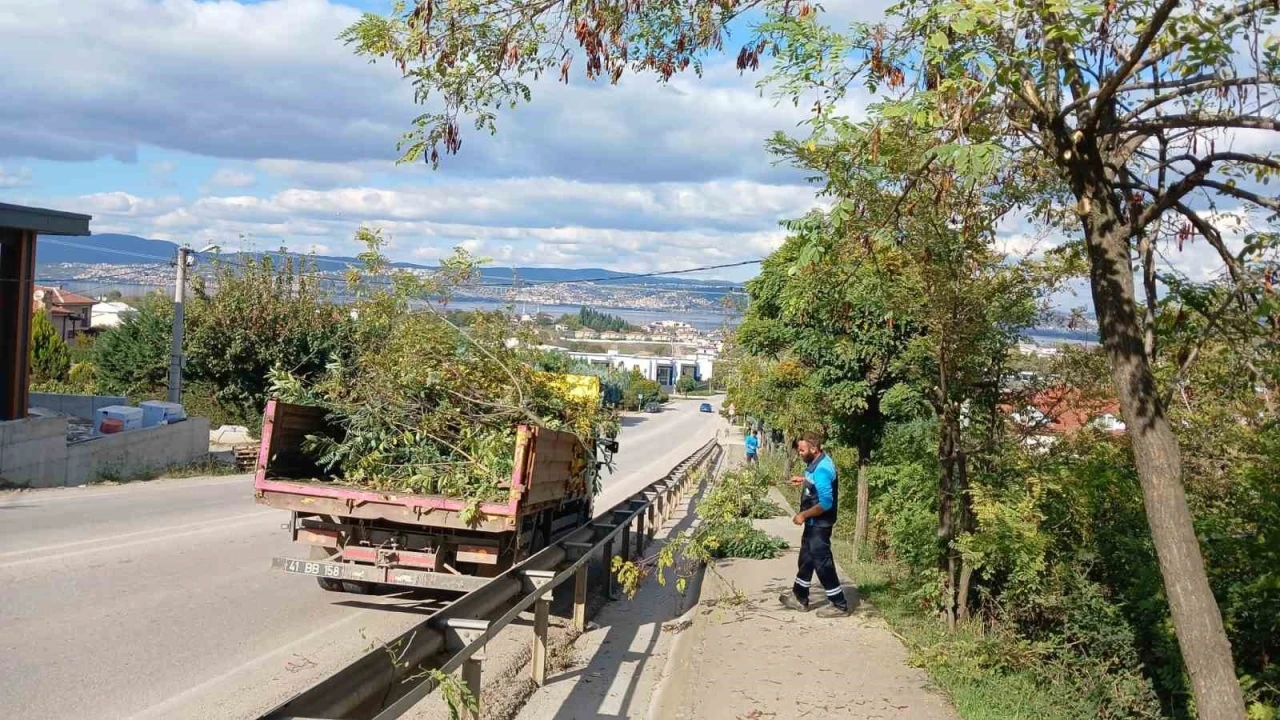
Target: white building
{"points": [[664, 370], [108, 314]]}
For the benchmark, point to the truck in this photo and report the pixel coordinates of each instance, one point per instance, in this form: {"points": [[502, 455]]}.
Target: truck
{"points": [[359, 539]]}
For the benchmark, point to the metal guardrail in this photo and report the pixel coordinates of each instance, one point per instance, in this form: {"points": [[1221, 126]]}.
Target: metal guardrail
{"points": [[387, 681]]}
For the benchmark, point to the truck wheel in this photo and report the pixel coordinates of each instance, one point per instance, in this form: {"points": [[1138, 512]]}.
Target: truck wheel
{"points": [[326, 584], [356, 587], [329, 584]]}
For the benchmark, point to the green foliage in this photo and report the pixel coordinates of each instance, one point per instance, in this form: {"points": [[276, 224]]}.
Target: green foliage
{"points": [[426, 406], [50, 357], [266, 314], [686, 384], [724, 531], [595, 320], [133, 358]]}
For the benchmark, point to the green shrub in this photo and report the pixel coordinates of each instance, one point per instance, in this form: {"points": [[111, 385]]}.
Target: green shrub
{"points": [[50, 356]]}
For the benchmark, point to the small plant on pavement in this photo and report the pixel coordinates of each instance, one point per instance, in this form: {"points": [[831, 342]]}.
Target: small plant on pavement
{"points": [[724, 531]]}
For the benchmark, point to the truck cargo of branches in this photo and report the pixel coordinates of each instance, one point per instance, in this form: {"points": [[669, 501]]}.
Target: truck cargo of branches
{"points": [[359, 538]]}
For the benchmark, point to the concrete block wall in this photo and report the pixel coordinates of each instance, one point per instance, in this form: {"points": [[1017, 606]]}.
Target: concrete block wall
{"points": [[81, 406], [33, 452], [128, 454]]}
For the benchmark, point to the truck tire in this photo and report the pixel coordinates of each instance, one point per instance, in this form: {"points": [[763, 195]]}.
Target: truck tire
{"points": [[329, 584], [326, 584], [355, 587]]}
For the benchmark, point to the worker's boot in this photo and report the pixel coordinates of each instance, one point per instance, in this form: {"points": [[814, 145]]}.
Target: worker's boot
{"points": [[791, 602], [832, 611]]}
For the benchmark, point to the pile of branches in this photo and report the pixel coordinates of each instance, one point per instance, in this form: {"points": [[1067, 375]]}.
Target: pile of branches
{"points": [[427, 406]]}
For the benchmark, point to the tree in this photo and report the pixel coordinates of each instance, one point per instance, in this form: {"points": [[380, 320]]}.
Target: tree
{"points": [[50, 357], [1122, 102], [133, 358], [834, 318], [266, 314], [686, 384]]}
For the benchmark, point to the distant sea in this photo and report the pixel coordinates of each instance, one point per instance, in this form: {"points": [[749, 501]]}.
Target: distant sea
{"points": [[1059, 336], [702, 320]]}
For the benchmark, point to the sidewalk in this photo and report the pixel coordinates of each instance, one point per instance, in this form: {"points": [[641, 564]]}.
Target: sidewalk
{"points": [[754, 659]]}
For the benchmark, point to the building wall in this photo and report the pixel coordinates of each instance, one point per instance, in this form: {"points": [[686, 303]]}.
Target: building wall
{"points": [[79, 406]]}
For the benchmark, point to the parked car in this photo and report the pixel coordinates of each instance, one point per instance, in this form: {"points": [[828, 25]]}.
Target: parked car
{"points": [[652, 407], [705, 407]]}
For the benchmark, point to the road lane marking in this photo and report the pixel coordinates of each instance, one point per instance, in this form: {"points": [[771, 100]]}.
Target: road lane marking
{"points": [[168, 532]]}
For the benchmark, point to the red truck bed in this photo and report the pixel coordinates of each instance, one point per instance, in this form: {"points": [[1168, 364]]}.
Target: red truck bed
{"points": [[362, 536]]}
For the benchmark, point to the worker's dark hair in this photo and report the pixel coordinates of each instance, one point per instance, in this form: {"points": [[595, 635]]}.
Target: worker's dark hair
{"points": [[812, 439]]}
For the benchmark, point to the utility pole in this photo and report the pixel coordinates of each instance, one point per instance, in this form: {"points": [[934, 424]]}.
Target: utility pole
{"points": [[175, 353]]}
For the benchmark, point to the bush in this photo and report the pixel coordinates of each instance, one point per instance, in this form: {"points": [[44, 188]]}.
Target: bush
{"points": [[50, 357], [265, 315], [133, 358]]}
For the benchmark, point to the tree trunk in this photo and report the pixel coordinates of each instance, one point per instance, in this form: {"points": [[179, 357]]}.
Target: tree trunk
{"points": [[1196, 618], [951, 478], [864, 502]]}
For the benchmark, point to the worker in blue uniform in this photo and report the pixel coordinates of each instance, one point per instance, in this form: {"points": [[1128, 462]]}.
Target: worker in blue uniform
{"points": [[752, 444], [819, 499]]}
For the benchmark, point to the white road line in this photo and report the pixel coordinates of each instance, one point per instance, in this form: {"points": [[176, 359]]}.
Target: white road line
{"points": [[163, 533]]}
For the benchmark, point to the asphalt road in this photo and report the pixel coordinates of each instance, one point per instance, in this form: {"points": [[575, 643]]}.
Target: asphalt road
{"points": [[156, 600]]}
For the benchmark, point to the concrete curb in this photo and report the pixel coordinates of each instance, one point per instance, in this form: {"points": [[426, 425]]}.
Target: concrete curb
{"points": [[667, 693]]}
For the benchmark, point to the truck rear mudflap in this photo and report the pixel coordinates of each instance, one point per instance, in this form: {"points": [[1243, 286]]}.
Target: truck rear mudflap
{"points": [[399, 577]]}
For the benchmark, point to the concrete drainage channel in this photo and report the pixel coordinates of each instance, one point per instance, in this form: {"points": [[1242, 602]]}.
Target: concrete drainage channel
{"points": [[392, 678]]}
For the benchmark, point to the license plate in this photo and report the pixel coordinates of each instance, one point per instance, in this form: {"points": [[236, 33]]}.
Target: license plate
{"points": [[319, 569]]}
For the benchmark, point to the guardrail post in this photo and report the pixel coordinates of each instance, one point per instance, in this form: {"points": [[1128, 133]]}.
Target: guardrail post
{"points": [[623, 518], [539, 579], [459, 633], [541, 609], [472, 675], [653, 526], [608, 569], [580, 598], [641, 536]]}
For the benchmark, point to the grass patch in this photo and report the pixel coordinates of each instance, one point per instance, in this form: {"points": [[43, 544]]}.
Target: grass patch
{"points": [[979, 669], [199, 468]]}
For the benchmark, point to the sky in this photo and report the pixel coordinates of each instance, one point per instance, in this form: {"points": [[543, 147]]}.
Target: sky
{"points": [[249, 125]]}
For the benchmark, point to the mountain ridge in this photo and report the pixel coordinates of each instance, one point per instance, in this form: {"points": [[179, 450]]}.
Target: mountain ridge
{"points": [[122, 249]]}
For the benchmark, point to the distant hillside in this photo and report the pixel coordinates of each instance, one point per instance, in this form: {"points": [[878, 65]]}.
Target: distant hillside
{"points": [[107, 248], [131, 250]]}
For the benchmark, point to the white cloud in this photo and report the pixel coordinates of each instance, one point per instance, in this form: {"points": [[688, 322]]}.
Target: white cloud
{"points": [[538, 221], [269, 80], [229, 178], [14, 177], [305, 174]]}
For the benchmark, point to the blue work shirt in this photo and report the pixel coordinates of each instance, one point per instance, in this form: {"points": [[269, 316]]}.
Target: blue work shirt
{"points": [[820, 488], [753, 444]]}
